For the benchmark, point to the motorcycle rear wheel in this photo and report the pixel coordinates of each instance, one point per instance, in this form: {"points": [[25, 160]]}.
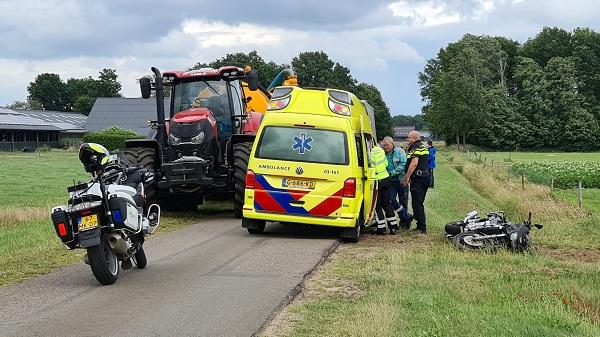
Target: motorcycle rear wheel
{"points": [[465, 241], [104, 263]]}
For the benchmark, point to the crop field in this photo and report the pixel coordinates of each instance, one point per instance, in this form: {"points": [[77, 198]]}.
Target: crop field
{"points": [[565, 174], [540, 156], [411, 285], [30, 184]]}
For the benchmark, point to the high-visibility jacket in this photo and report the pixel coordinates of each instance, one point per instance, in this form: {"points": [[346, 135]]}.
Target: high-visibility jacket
{"points": [[379, 162]]}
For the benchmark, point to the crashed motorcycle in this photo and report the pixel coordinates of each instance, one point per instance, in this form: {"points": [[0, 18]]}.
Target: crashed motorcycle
{"points": [[495, 231], [108, 216]]}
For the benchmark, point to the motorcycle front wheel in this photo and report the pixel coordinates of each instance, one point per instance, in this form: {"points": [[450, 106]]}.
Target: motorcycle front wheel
{"points": [[139, 258], [104, 263]]}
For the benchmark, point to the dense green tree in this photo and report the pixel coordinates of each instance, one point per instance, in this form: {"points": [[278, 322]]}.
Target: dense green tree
{"points": [[50, 91], [533, 101], [107, 84], [84, 104], [317, 70], [266, 71], [74, 95], [456, 107], [586, 53], [455, 83], [504, 128], [549, 43]]}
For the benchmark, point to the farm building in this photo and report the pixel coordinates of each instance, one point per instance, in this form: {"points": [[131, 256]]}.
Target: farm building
{"points": [[401, 132], [127, 113], [27, 130]]}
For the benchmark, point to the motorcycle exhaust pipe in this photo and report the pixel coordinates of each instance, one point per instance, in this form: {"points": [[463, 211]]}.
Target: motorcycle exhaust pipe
{"points": [[117, 244]]}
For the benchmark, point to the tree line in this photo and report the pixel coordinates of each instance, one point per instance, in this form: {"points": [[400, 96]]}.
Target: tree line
{"points": [[314, 69], [48, 91], [497, 93], [406, 120]]}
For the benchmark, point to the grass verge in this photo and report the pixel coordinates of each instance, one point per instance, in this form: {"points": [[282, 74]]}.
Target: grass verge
{"points": [[421, 286]]}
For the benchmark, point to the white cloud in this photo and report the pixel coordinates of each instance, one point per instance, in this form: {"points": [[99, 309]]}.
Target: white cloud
{"points": [[430, 13], [202, 41]]}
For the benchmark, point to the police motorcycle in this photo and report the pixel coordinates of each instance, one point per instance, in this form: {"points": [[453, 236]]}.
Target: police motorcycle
{"points": [[107, 215], [475, 233]]}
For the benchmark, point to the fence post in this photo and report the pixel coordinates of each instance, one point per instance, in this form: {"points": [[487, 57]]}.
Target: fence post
{"points": [[492, 162], [552, 184], [484, 161], [580, 194], [522, 180]]}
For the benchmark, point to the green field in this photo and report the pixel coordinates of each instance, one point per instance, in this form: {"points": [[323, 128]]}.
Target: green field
{"points": [[30, 184], [421, 286], [540, 156]]}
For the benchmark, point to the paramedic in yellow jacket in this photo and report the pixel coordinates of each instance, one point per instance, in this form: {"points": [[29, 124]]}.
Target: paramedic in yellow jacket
{"points": [[383, 209]]}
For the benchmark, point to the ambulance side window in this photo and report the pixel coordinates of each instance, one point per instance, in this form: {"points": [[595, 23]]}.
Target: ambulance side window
{"points": [[369, 146], [359, 150]]}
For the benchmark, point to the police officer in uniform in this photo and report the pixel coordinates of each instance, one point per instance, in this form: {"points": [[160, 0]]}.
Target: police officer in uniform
{"points": [[383, 209], [417, 176]]}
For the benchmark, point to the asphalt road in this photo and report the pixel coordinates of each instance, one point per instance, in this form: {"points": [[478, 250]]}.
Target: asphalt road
{"points": [[209, 279]]}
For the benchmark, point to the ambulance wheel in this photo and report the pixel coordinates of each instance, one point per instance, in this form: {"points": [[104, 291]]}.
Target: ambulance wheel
{"points": [[352, 235], [241, 156], [254, 226]]}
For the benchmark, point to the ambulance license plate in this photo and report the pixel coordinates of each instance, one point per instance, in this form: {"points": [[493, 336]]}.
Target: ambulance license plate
{"points": [[298, 183], [88, 222]]}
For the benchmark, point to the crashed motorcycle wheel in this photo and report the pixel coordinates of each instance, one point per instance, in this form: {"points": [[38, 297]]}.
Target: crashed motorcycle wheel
{"points": [[468, 241]]}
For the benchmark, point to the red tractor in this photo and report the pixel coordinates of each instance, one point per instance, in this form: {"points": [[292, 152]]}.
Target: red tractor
{"points": [[201, 150]]}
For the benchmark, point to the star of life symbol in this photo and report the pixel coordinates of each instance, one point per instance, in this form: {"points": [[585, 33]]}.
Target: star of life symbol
{"points": [[302, 143]]}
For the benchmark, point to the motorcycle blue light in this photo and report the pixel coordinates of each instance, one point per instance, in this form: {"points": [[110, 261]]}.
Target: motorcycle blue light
{"points": [[117, 215]]}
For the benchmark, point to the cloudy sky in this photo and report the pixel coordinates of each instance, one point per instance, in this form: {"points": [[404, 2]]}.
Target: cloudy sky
{"points": [[382, 42]]}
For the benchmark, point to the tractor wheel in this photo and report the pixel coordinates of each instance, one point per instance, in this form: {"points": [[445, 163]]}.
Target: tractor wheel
{"points": [[144, 157], [241, 156]]}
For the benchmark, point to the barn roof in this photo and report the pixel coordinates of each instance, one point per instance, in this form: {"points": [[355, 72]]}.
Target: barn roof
{"points": [[127, 113]]}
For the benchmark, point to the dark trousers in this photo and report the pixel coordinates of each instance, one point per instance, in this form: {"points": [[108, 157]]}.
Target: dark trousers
{"points": [[399, 196], [383, 208], [418, 190], [431, 178]]}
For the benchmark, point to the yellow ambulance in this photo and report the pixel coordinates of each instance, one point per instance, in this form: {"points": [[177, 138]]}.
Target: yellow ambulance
{"points": [[310, 163]]}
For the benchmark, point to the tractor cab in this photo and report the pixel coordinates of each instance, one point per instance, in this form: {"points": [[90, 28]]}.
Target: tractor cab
{"points": [[207, 108]]}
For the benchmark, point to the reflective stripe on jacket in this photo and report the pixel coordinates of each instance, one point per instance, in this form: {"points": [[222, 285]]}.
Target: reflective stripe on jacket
{"points": [[379, 162]]}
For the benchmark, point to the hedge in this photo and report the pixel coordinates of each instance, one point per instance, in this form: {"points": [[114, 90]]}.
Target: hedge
{"points": [[111, 138]]}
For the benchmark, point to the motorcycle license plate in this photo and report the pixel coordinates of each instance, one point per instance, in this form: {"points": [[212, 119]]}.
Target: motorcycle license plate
{"points": [[88, 222], [298, 183]]}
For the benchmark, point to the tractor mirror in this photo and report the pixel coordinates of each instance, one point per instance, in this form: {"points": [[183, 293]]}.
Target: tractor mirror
{"points": [[145, 87], [538, 226], [252, 80]]}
